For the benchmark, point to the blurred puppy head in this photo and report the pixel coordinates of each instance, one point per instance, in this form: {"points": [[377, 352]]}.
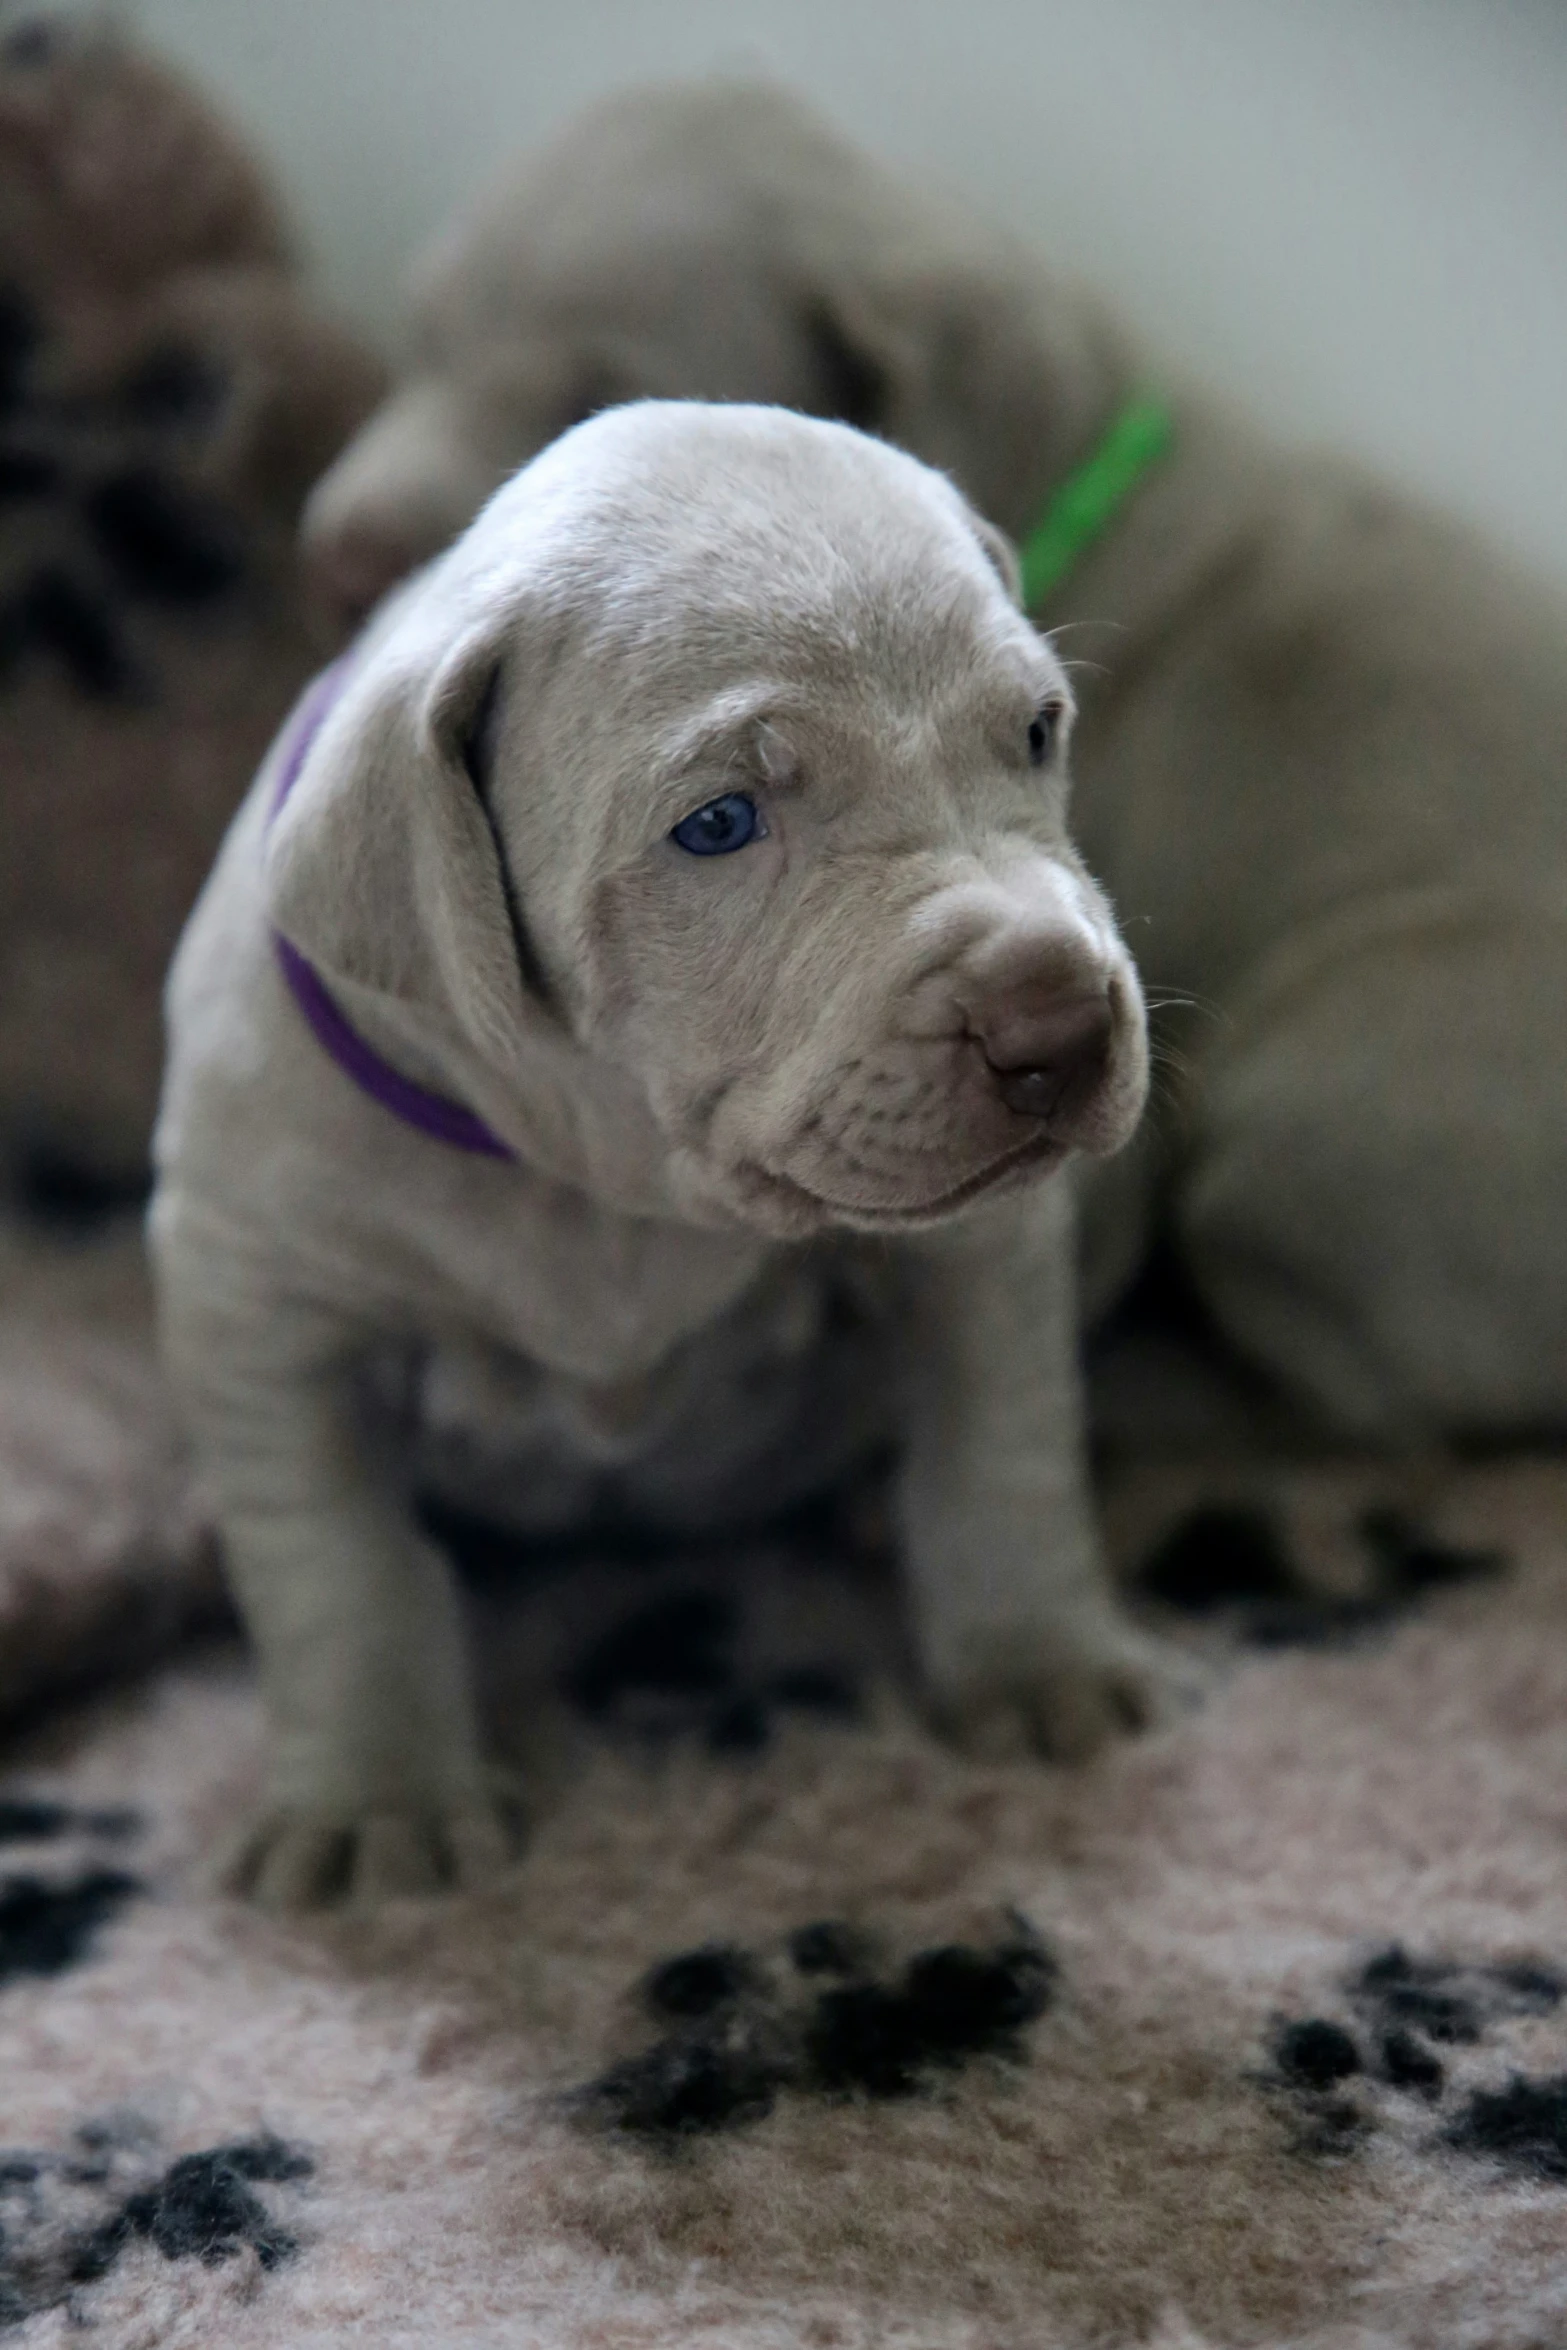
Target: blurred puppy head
{"points": [[715, 242], [718, 759], [115, 171]]}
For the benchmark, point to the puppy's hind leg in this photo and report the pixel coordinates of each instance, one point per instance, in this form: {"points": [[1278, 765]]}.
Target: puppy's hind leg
{"points": [[377, 1787], [1372, 1210]]}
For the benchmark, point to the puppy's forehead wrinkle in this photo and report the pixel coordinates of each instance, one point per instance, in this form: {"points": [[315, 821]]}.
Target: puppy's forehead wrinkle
{"points": [[751, 719], [676, 625], [786, 732], [774, 751]]}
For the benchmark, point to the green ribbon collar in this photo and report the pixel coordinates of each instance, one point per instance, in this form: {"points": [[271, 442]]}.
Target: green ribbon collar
{"points": [[1089, 500]]}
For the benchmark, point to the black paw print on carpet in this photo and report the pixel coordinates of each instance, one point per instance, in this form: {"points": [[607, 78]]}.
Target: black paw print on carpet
{"points": [[672, 1668], [49, 1923], [824, 2017], [1231, 1561], [96, 516], [67, 2218], [1408, 2017]]}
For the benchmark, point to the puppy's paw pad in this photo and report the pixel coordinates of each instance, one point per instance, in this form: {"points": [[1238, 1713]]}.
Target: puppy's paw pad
{"points": [[291, 1862], [1067, 1699]]}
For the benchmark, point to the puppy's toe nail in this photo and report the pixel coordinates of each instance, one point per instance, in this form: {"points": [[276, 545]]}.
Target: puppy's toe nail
{"points": [[1158, 1689], [986, 1733], [481, 1849], [1134, 1700], [393, 1856], [304, 1866], [1073, 1722], [234, 1866], [508, 1793]]}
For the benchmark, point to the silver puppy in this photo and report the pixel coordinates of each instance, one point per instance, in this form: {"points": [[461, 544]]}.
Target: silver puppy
{"points": [[664, 920], [1323, 760]]}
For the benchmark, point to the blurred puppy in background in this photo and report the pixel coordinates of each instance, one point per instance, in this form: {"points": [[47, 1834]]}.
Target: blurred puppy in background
{"points": [[1323, 767], [168, 393]]}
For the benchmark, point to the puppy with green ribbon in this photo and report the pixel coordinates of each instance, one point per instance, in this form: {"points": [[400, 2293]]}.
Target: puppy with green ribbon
{"points": [[1322, 764]]}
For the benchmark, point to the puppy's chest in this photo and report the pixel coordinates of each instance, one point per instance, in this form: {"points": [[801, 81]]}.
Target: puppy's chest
{"points": [[771, 1400], [596, 1297]]}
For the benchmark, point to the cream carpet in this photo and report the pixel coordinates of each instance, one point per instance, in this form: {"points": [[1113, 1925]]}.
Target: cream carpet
{"points": [[1252, 2033]]}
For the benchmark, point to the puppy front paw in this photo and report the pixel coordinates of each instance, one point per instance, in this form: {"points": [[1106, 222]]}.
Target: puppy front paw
{"points": [[1062, 1692], [290, 1859]]}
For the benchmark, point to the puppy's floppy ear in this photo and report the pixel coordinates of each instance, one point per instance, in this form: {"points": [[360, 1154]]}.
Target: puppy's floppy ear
{"points": [[411, 478], [986, 369], [1002, 556], [384, 866], [880, 367], [853, 373]]}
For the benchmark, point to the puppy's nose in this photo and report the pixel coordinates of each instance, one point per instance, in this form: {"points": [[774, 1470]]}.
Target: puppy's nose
{"points": [[1047, 1057], [351, 567]]}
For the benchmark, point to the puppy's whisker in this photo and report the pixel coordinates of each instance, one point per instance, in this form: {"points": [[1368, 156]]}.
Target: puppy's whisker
{"points": [[1165, 1086], [1168, 1062], [1062, 626], [1185, 1003]]}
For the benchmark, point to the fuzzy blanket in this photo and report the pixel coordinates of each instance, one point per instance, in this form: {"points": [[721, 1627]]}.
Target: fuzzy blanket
{"points": [[104, 1561], [794, 2028]]}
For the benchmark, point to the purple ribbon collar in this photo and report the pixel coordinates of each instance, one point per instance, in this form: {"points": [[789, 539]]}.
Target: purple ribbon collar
{"points": [[434, 1114]]}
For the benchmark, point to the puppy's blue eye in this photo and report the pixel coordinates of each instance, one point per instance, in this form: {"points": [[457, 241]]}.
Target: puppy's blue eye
{"points": [[722, 826]]}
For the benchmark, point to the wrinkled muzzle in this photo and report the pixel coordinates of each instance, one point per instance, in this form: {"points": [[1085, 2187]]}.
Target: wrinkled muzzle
{"points": [[999, 1028]]}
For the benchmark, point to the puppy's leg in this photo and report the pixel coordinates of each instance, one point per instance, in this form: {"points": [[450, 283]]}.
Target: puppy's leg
{"points": [[1373, 1205], [376, 1783], [1020, 1635], [1116, 1204]]}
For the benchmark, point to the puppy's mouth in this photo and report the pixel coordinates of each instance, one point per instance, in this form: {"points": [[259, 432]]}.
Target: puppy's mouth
{"points": [[1039, 1154]]}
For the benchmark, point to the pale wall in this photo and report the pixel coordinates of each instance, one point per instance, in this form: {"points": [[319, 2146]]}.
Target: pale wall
{"points": [[1353, 211]]}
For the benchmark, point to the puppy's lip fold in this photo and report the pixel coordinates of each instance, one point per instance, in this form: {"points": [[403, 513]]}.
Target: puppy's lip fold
{"points": [[1040, 1152]]}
